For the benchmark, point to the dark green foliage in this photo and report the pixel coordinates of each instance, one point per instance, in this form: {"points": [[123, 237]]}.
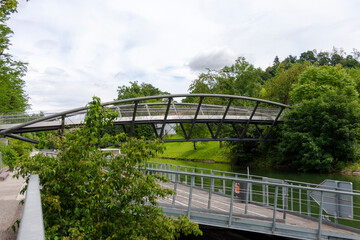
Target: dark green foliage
{"points": [[324, 58], [321, 134], [14, 151], [135, 90], [278, 88], [308, 56], [12, 94], [321, 131], [90, 194], [241, 78]]}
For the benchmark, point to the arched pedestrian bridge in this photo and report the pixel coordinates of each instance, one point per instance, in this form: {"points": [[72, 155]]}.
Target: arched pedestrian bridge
{"points": [[213, 112]]}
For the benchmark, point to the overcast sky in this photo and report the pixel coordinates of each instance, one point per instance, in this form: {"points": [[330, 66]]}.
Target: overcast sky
{"points": [[77, 49]]}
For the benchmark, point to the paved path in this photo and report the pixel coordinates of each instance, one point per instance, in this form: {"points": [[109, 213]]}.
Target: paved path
{"points": [[10, 209]]}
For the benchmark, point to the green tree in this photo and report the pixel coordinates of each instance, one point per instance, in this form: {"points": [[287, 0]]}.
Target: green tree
{"points": [[135, 90], [316, 82], [12, 94], [90, 194], [278, 88], [241, 78], [321, 131], [308, 56]]}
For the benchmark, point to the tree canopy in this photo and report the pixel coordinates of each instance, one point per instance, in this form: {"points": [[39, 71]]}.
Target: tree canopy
{"points": [[321, 131], [12, 95], [90, 194], [135, 90], [241, 78]]}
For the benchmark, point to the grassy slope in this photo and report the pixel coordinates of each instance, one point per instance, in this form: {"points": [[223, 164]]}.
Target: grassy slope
{"points": [[204, 151]]}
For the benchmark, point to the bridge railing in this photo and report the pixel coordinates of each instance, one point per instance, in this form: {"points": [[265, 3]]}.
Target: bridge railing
{"points": [[32, 225], [282, 197], [239, 113], [19, 117]]}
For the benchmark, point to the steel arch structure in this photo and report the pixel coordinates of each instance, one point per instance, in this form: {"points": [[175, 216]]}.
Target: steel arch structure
{"points": [[164, 110]]}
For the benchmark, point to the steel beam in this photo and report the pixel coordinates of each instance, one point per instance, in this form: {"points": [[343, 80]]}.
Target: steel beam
{"points": [[249, 120], [133, 119], [195, 117], [165, 117], [183, 129], [276, 119], [235, 130], [155, 130], [210, 130], [25, 139], [223, 118]]}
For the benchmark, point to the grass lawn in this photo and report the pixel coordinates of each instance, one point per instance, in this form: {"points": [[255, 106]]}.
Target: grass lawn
{"points": [[204, 151]]}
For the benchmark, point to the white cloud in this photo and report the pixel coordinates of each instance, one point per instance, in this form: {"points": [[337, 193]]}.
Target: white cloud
{"points": [[213, 59], [78, 49]]}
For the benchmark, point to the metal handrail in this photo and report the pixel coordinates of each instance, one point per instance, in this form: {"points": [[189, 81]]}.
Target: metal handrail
{"points": [[248, 180], [281, 191], [32, 225]]}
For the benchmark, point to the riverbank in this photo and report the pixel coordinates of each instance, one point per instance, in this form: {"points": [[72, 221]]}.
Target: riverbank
{"points": [[209, 152]]}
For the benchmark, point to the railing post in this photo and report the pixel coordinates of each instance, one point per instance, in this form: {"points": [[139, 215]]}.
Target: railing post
{"points": [[202, 179], [300, 201], [251, 192], [308, 201], [247, 198], [212, 187], [172, 175], [263, 193], [286, 191], [292, 198], [166, 168], [178, 176], [275, 207], [231, 202], [320, 214], [224, 188], [190, 195], [186, 176], [175, 188]]}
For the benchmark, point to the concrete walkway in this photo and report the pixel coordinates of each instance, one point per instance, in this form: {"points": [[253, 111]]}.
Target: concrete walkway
{"points": [[10, 209]]}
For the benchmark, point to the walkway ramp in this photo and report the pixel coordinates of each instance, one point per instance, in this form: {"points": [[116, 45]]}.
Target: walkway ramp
{"points": [[208, 200], [10, 207]]}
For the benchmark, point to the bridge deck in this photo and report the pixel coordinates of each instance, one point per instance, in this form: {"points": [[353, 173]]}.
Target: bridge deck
{"points": [[301, 227], [50, 125]]}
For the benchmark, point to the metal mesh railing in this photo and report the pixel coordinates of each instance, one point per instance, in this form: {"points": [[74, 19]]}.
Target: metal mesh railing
{"points": [[247, 193]]}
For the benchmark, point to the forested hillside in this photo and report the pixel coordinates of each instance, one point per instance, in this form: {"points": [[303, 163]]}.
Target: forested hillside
{"points": [[321, 132]]}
